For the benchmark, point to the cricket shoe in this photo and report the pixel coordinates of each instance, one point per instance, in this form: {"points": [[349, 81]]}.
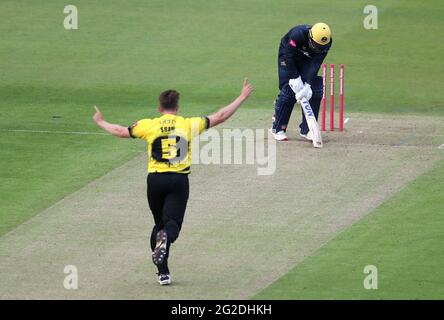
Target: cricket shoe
{"points": [[159, 252], [279, 136], [307, 136], [164, 279]]}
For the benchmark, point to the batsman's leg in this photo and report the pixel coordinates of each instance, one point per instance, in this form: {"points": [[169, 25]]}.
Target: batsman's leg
{"points": [[284, 107]]}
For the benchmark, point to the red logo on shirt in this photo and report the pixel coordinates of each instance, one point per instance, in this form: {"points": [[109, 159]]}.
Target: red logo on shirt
{"points": [[292, 43]]}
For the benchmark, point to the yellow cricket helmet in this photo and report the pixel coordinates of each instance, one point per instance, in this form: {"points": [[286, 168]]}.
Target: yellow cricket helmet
{"points": [[320, 35]]}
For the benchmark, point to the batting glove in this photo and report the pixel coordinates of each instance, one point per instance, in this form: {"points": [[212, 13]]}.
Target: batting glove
{"points": [[296, 84], [305, 92]]}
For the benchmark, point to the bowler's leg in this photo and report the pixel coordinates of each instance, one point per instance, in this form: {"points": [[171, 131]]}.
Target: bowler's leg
{"points": [[173, 214], [156, 200]]}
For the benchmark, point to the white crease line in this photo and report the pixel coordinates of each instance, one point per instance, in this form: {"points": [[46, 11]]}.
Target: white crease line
{"points": [[54, 132]]}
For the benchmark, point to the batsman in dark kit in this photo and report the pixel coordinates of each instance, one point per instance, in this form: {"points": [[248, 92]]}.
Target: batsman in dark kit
{"points": [[301, 53]]}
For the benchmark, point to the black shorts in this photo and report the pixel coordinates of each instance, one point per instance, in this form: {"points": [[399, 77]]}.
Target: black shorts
{"points": [[167, 197]]}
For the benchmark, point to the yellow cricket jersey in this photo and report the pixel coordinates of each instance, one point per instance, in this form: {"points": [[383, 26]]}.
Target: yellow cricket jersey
{"points": [[169, 141]]}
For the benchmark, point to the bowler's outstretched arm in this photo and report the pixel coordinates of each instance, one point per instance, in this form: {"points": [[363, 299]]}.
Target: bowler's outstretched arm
{"points": [[114, 129], [227, 111]]}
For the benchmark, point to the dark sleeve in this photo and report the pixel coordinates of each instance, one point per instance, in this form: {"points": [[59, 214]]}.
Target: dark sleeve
{"points": [[295, 39], [130, 130], [207, 123]]}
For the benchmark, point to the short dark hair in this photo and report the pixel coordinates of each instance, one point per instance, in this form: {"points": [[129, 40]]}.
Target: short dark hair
{"points": [[169, 99]]}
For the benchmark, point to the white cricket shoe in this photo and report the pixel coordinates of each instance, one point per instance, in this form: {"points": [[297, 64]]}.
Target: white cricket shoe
{"points": [[307, 136], [279, 136], [164, 279]]}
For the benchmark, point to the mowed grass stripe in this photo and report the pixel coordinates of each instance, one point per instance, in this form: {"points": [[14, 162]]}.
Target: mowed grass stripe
{"points": [[41, 169], [403, 238]]}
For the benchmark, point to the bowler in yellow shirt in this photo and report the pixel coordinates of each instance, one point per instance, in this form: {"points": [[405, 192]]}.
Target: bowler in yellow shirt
{"points": [[168, 140]]}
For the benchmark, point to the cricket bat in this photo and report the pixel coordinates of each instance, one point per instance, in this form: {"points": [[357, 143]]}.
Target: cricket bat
{"points": [[312, 123]]}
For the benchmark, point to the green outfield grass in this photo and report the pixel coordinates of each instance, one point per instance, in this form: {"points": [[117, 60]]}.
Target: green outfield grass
{"points": [[126, 52], [402, 238]]}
